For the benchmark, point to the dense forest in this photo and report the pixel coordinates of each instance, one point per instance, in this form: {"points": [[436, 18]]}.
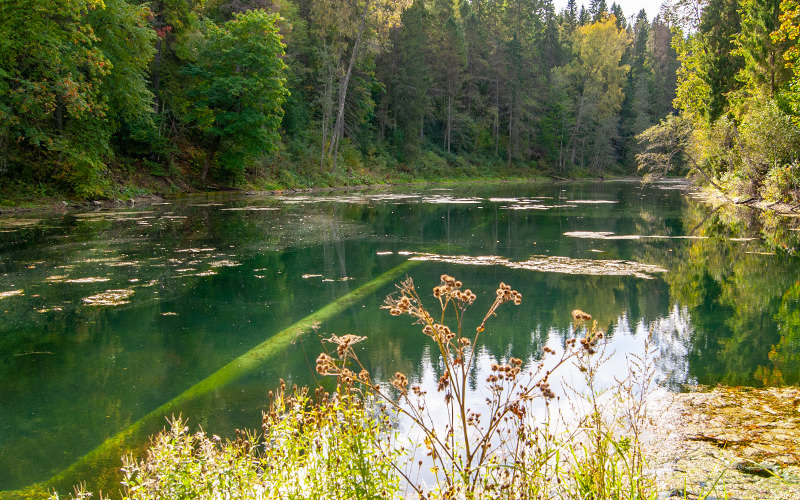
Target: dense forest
{"points": [[99, 98], [114, 98]]}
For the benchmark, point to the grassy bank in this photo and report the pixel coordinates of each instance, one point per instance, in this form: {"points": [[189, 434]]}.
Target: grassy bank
{"points": [[126, 180]]}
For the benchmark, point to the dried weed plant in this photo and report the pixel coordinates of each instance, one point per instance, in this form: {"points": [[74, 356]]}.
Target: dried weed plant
{"points": [[341, 444], [502, 450]]}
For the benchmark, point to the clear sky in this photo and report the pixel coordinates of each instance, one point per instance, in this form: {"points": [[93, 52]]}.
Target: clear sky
{"points": [[629, 7]]}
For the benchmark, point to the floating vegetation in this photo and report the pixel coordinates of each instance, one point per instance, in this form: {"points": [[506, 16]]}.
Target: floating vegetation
{"points": [[353, 198], [528, 207], [224, 263], [91, 279], [109, 298], [600, 235], [607, 235], [250, 209], [11, 293], [563, 265], [593, 202], [449, 200], [13, 223], [47, 310]]}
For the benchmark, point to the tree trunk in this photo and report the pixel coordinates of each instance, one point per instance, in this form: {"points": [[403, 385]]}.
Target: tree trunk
{"points": [[449, 121], [578, 123], [338, 128], [156, 75], [210, 153], [326, 115], [510, 130], [496, 114]]}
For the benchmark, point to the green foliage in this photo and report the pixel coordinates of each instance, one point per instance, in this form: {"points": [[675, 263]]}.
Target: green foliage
{"points": [[68, 70], [737, 98], [323, 449], [594, 80], [236, 91], [782, 183], [764, 71], [767, 141]]}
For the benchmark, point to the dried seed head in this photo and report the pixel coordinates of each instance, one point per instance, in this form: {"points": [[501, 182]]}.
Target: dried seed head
{"points": [[579, 315], [325, 365]]}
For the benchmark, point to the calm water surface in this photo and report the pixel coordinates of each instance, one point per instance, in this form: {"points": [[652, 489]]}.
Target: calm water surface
{"points": [[106, 315]]}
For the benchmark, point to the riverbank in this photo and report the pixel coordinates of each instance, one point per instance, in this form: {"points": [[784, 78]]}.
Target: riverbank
{"points": [[45, 204], [729, 442]]}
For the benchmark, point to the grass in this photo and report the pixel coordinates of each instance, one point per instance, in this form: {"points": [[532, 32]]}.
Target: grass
{"points": [[343, 443]]}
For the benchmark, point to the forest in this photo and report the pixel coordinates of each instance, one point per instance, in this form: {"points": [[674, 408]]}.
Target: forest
{"points": [[114, 98]]}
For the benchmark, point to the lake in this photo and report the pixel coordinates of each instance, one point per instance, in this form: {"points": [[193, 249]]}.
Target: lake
{"points": [[108, 316]]}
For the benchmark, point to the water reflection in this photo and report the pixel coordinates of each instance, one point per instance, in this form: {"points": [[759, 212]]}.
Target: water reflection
{"points": [[206, 280]]}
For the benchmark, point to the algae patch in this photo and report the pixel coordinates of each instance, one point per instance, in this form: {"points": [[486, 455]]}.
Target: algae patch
{"points": [[11, 293], [562, 265], [86, 280], [109, 298]]}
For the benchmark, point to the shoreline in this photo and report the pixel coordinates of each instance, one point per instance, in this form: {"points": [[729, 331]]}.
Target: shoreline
{"points": [[728, 442], [56, 206]]}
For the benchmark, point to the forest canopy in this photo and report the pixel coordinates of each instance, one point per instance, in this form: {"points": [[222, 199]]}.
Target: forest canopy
{"points": [[101, 96]]}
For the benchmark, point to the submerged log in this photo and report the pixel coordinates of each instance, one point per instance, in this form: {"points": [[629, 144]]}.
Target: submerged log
{"points": [[107, 455]]}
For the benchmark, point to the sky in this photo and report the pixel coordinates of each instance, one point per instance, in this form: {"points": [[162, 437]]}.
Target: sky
{"points": [[629, 7]]}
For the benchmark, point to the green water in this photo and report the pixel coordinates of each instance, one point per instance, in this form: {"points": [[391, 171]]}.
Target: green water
{"points": [[204, 280]]}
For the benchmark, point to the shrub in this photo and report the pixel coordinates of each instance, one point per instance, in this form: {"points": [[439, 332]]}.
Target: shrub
{"points": [[782, 183]]}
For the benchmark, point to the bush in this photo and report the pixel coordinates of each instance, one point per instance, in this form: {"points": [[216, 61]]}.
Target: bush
{"points": [[782, 183]]}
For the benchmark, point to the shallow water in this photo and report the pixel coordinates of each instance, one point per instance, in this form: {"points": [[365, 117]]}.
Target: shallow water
{"points": [[108, 314]]}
